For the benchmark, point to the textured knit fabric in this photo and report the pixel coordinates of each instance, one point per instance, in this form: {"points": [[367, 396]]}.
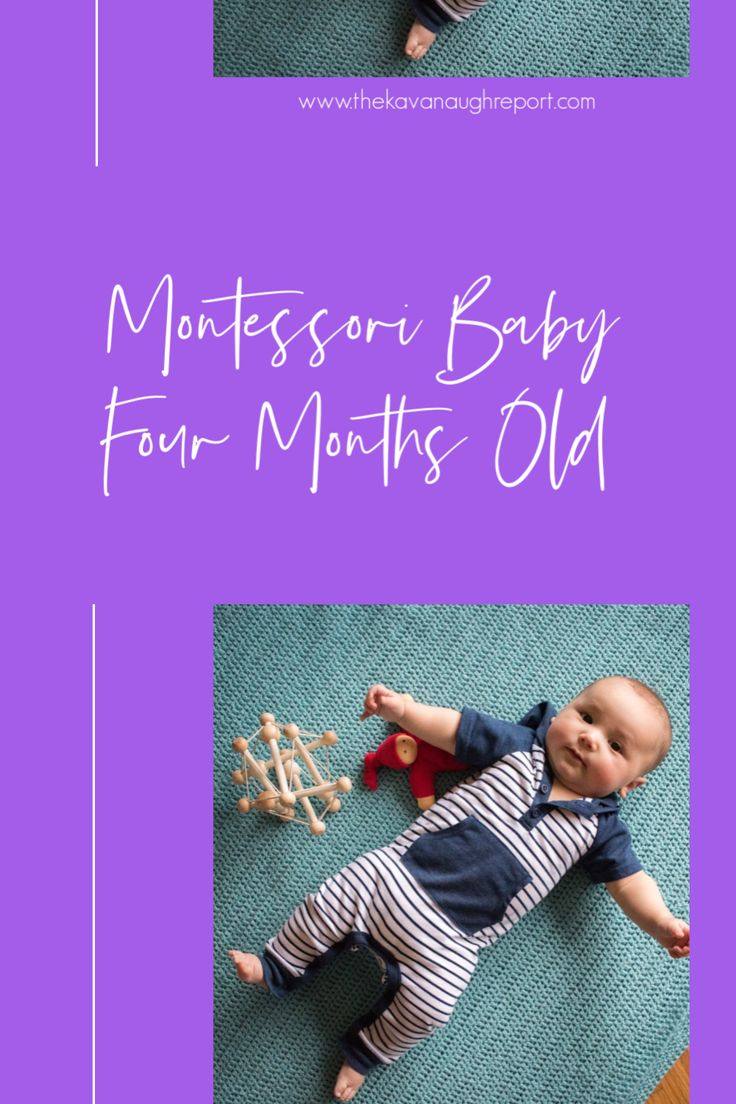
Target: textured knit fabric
{"points": [[514, 1035]]}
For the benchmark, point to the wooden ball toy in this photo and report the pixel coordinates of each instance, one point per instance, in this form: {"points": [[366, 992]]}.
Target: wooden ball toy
{"points": [[292, 781], [266, 800]]}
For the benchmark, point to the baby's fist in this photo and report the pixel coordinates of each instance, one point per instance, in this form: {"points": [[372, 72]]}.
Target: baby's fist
{"points": [[674, 935], [385, 703]]}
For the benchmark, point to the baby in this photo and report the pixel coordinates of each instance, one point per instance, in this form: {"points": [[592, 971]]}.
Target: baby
{"points": [[480, 858]]}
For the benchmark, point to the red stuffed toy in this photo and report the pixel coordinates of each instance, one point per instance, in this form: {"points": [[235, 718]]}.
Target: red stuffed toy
{"points": [[401, 751]]}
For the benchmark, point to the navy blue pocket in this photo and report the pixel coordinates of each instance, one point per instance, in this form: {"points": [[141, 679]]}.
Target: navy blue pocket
{"points": [[468, 872]]}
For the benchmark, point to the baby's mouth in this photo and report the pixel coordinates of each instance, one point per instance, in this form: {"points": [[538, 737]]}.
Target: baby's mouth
{"points": [[575, 755]]}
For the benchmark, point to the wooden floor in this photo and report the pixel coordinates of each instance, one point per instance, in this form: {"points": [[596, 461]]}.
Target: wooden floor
{"points": [[674, 1088]]}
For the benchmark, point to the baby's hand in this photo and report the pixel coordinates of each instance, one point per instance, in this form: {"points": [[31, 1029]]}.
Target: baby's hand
{"points": [[385, 703], [674, 935]]}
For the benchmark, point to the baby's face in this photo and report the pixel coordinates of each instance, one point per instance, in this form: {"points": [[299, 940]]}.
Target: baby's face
{"points": [[604, 740]]}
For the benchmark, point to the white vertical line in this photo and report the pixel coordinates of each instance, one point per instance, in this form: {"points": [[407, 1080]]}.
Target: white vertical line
{"points": [[94, 854], [97, 86]]}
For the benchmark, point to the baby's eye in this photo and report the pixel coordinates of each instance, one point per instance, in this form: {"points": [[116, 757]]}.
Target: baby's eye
{"points": [[587, 718], [615, 745]]}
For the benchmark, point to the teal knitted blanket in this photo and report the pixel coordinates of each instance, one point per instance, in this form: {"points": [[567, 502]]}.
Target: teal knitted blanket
{"points": [[511, 38], [575, 1005]]}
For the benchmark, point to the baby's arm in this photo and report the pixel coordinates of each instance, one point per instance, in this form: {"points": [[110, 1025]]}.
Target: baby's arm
{"points": [[639, 897], [433, 723]]}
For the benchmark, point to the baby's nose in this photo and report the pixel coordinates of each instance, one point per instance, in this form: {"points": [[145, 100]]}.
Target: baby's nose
{"points": [[589, 738]]}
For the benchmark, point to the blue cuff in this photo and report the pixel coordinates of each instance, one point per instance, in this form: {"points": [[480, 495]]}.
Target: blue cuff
{"points": [[431, 17]]}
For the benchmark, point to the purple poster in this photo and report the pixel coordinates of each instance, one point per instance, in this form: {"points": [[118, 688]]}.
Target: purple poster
{"points": [[350, 345]]}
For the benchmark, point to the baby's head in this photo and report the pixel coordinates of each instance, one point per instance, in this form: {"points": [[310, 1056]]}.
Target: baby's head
{"points": [[609, 737]]}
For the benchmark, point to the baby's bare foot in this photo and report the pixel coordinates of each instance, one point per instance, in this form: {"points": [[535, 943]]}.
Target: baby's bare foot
{"points": [[348, 1082], [418, 41], [249, 967]]}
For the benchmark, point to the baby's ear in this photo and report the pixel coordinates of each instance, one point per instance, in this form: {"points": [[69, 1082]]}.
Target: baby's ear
{"points": [[633, 785]]}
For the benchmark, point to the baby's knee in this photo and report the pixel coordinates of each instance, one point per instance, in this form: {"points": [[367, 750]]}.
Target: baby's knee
{"points": [[427, 1018], [436, 1020]]}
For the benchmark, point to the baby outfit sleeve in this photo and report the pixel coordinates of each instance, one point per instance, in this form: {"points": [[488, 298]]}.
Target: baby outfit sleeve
{"points": [[481, 739], [612, 855]]}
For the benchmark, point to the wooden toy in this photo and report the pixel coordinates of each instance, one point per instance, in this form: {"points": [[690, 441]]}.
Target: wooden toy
{"points": [[278, 782]]}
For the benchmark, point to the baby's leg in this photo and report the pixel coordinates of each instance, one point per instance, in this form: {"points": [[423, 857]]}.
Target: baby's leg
{"points": [[428, 964], [311, 936], [249, 968]]}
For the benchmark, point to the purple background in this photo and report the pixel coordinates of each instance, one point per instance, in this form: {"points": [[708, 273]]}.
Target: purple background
{"points": [[621, 207]]}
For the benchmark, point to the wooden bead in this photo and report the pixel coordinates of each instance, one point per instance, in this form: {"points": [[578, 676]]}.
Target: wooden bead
{"points": [[329, 738], [266, 718], [243, 805], [269, 731], [238, 778], [335, 805], [344, 785], [318, 827], [288, 799], [239, 744], [291, 731], [266, 800]]}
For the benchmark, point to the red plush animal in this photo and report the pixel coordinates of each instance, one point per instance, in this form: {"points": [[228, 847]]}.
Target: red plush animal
{"points": [[402, 751]]}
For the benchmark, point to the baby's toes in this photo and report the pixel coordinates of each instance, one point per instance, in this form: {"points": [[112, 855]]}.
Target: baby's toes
{"points": [[347, 1083]]}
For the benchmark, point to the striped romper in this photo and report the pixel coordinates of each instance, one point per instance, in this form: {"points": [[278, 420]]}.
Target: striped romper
{"points": [[459, 878]]}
